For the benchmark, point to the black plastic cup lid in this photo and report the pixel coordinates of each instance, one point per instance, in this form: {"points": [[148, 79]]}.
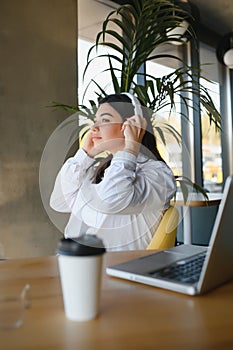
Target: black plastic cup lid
{"points": [[84, 245]]}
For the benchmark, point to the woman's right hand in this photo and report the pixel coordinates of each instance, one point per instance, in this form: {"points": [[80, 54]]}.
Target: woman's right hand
{"points": [[88, 145], [90, 148]]}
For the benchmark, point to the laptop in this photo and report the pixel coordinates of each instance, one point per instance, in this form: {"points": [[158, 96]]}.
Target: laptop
{"points": [[189, 269]]}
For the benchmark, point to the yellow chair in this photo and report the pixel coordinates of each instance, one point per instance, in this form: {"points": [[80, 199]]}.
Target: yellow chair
{"points": [[165, 235]]}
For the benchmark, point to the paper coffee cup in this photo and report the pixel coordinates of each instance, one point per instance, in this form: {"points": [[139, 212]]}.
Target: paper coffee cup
{"points": [[80, 267]]}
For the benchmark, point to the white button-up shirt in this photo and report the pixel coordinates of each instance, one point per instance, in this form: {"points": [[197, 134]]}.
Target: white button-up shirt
{"points": [[124, 209]]}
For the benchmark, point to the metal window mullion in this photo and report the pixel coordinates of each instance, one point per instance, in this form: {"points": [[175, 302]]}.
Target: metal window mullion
{"points": [[197, 128], [230, 122], [226, 109], [187, 126]]}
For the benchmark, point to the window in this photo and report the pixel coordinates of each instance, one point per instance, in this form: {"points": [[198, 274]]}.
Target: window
{"points": [[89, 24], [211, 138], [95, 72], [172, 151]]}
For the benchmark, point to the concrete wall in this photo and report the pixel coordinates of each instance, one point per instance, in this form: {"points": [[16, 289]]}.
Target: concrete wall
{"points": [[38, 41]]}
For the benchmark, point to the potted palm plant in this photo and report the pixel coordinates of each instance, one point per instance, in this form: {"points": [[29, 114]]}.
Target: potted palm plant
{"points": [[135, 32]]}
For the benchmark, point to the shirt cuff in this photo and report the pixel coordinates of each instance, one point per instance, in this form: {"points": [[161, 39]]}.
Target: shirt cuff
{"points": [[81, 157], [125, 157]]}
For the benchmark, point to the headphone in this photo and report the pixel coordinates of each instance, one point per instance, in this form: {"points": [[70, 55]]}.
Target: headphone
{"points": [[135, 103]]}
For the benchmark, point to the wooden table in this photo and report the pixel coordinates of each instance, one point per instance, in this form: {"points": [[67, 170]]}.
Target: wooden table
{"points": [[132, 316], [194, 200]]}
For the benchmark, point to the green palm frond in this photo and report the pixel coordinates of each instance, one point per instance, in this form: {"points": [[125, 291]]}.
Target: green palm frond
{"points": [[68, 108], [140, 30], [185, 185], [163, 128], [143, 27]]}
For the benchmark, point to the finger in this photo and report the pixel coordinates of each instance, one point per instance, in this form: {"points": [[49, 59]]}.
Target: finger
{"points": [[138, 118], [133, 122], [134, 119], [144, 124]]}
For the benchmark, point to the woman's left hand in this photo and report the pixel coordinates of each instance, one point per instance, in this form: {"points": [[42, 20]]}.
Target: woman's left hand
{"points": [[134, 129]]}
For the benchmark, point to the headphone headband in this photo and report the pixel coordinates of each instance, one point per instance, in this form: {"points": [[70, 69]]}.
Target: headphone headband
{"points": [[135, 103]]}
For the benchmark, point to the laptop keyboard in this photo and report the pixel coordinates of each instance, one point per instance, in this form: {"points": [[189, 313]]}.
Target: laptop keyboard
{"points": [[185, 271]]}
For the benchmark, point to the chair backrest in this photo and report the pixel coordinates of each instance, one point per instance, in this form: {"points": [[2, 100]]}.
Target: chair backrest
{"points": [[165, 235]]}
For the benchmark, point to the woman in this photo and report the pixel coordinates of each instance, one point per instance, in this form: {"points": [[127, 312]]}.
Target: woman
{"points": [[122, 199]]}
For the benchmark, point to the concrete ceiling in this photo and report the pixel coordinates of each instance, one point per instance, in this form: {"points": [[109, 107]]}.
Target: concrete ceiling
{"points": [[216, 15]]}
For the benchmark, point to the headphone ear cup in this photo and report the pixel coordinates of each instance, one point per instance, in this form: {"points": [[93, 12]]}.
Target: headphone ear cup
{"points": [[138, 110], [135, 103]]}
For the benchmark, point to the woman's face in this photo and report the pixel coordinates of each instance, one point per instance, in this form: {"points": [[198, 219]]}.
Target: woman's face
{"points": [[107, 133]]}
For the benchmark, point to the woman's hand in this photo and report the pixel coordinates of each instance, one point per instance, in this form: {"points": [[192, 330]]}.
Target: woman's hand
{"points": [[88, 145], [94, 148], [134, 130]]}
